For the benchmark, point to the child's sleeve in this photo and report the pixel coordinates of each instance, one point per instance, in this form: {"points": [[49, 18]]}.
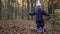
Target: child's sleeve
{"points": [[32, 13], [45, 13]]}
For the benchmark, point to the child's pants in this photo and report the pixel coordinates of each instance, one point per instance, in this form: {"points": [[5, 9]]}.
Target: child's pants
{"points": [[40, 23]]}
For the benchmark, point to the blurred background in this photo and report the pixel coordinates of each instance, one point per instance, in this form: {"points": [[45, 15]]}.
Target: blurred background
{"points": [[19, 9]]}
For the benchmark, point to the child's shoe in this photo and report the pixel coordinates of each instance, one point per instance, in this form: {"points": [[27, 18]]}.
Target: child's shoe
{"points": [[38, 30], [42, 29]]}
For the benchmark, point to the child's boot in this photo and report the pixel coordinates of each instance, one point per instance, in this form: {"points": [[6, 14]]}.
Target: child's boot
{"points": [[43, 29], [38, 30]]}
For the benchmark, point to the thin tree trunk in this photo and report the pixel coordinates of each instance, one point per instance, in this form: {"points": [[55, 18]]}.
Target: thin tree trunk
{"points": [[8, 14], [0, 9], [28, 9], [22, 9], [32, 8]]}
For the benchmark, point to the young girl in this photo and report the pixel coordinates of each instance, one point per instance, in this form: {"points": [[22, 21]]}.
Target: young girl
{"points": [[39, 17]]}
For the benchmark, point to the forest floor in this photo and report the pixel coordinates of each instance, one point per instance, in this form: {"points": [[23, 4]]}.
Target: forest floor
{"points": [[19, 26]]}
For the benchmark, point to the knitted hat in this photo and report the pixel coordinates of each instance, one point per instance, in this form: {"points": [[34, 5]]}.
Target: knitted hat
{"points": [[38, 3]]}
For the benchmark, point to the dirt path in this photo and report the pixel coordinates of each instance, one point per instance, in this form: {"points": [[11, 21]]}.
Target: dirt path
{"points": [[23, 27]]}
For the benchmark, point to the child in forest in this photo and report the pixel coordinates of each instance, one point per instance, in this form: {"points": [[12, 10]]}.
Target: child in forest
{"points": [[39, 17]]}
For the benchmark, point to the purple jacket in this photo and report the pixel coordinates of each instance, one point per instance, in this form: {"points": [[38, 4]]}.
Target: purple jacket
{"points": [[39, 14]]}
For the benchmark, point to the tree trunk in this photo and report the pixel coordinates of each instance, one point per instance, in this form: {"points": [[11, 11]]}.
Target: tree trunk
{"points": [[28, 9], [22, 9], [0, 9], [10, 10], [32, 8]]}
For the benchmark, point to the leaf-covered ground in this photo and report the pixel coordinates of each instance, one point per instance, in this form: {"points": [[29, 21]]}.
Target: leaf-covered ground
{"points": [[19, 26]]}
